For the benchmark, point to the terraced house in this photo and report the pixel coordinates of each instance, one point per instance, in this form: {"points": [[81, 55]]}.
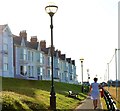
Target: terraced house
{"points": [[6, 52], [32, 59]]}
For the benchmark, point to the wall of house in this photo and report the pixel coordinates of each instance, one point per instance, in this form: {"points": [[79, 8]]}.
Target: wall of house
{"points": [[1, 60], [6, 54]]}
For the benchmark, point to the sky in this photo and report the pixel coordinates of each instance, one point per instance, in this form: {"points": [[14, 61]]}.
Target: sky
{"points": [[82, 29]]}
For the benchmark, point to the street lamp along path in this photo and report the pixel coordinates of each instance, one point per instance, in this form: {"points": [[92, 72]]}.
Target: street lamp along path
{"points": [[81, 60], [51, 9]]}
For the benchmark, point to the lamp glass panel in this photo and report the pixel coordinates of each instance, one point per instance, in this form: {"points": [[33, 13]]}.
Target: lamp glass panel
{"points": [[51, 8]]}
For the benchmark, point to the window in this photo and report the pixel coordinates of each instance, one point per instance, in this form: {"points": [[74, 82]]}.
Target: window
{"points": [[38, 57], [61, 65], [29, 55], [58, 61], [32, 71], [38, 71], [56, 74], [49, 61], [29, 71], [5, 67], [5, 63], [67, 66], [23, 70], [5, 40], [66, 76], [41, 58], [62, 76], [5, 47], [23, 54], [70, 77], [48, 73], [32, 56], [43, 71]]}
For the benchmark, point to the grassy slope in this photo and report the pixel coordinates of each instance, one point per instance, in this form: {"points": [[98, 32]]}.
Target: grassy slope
{"points": [[29, 94]]}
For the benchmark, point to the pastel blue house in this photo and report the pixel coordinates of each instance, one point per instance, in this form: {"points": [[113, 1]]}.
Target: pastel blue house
{"points": [[47, 61], [69, 69], [6, 52], [63, 68], [28, 57], [56, 65], [24, 59]]}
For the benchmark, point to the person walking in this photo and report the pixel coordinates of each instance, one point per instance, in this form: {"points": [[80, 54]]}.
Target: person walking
{"points": [[94, 92]]}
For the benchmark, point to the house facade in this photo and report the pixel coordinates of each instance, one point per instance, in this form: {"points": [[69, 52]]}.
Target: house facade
{"points": [[6, 52], [32, 59], [28, 58]]}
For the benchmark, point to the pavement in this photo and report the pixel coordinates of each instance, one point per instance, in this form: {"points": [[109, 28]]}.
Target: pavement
{"points": [[87, 104]]}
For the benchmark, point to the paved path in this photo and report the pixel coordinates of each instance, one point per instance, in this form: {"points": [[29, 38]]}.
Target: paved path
{"points": [[88, 105]]}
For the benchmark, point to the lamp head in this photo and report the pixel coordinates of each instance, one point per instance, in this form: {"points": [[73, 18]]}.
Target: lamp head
{"points": [[81, 59], [51, 9]]}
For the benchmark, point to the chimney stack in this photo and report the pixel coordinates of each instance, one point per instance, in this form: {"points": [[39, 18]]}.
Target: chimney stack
{"points": [[33, 39], [59, 53], [42, 44], [23, 34]]}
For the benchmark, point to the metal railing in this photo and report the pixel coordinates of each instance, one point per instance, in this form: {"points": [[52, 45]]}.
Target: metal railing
{"points": [[111, 104]]}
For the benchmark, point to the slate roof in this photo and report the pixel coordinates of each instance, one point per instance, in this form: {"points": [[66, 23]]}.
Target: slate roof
{"points": [[34, 45], [62, 56], [45, 50], [73, 62], [17, 40], [68, 60]]}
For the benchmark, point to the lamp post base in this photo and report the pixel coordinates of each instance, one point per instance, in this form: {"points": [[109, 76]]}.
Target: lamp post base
{"points": [[52, 100]]}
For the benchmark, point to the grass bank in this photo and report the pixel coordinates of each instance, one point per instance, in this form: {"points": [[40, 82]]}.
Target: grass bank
{"points": [[33, 95]]}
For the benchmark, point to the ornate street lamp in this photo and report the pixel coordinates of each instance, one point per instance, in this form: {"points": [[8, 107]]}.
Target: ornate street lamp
{"points": [[82, 72], [51, 10]]}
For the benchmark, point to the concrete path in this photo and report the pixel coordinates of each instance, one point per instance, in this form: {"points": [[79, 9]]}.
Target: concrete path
{"points": [[88, 105]]}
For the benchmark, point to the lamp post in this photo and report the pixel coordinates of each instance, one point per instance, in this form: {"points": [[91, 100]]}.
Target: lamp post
{"points": [[116, 65], [51, 10], [82, 72], [108, 75], [88, 74], [116, 69]]}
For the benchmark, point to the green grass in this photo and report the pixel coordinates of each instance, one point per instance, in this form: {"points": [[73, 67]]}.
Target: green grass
{"points": [[33, 95]]}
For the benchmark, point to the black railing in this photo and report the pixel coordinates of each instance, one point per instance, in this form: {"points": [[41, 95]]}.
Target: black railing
{"points": [[111, 104]]}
